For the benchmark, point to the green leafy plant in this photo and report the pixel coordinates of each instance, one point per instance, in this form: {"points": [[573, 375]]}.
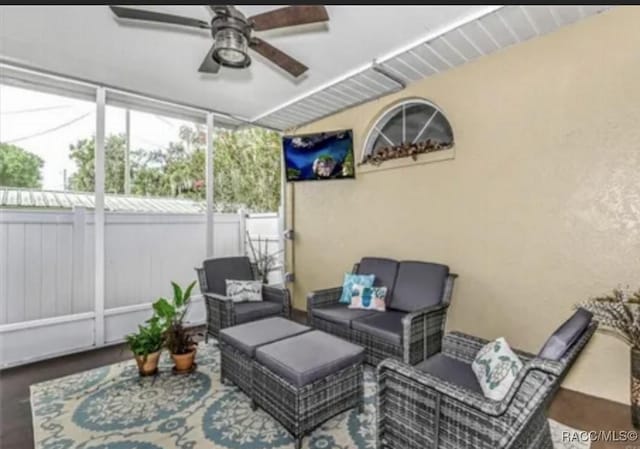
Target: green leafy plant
{"points": [[171, 314], [179, 339], [618, 314], [148, 339]]}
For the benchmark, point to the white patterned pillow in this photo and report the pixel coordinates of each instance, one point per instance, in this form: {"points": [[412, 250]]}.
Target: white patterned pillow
{"points": [[496, 367], [243, 291], [368, 298]]}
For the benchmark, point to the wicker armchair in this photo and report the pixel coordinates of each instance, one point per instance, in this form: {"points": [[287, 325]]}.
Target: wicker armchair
{"points": [[418, 407], [221, 310], [411, 330]]}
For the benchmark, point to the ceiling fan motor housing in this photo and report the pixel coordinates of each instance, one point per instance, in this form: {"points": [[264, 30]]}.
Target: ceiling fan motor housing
{"points": [[231, 35]]}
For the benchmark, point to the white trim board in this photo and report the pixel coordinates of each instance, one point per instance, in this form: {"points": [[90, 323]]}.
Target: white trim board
{"points": [[479, 34], [32, 341]]}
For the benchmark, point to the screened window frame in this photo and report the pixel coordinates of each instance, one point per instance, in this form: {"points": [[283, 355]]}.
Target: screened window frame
{"points": [[375, 129], [101, 96]]}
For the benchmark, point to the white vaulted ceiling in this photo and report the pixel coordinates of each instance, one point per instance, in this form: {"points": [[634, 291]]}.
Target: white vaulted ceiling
{"points": [[409, 42]]}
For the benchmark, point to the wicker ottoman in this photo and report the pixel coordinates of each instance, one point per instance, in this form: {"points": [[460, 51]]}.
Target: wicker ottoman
{"points": [[303, 381], [238, 345]]}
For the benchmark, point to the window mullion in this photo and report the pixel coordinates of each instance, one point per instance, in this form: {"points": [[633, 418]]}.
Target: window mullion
{"points": [[426, 125], [404, 124], [384, 136]]}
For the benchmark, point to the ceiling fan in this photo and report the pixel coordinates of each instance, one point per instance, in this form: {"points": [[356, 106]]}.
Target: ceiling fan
{"points": [[233, 32]]}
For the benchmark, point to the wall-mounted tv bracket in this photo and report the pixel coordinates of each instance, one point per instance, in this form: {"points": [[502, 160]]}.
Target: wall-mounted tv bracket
{"points": [[289, 277], [288, 234], [384, 72]]}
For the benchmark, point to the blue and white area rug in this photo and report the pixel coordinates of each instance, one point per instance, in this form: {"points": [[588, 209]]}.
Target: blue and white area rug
{"points": [[112, 408]]}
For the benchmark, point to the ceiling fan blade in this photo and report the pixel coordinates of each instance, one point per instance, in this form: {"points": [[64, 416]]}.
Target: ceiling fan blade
{"points": [[209, 65], [288, 16], [293, 66], [151, 16]]}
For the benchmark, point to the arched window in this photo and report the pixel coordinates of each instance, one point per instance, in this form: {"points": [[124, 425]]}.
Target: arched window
{"points": [[407, 129]]}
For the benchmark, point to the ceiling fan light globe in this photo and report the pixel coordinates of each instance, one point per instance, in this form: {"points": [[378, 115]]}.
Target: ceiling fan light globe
{"points": [[230, 48]]}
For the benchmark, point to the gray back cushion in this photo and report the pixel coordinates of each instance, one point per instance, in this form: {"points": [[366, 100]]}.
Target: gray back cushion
{"points": [[418, 285], [220, 269], [384, 269], [566, 335]]}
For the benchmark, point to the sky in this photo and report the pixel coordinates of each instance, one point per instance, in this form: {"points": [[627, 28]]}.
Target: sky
{"points": [[47, 125]]}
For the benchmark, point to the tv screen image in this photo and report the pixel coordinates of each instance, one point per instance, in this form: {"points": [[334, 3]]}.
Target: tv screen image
{"points": [[327, 155]]}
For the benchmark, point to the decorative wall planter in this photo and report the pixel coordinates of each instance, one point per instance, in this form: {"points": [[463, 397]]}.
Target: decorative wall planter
{"points": [[405, 150]]}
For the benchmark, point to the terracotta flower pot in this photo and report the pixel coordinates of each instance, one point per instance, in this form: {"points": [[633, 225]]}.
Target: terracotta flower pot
{"points": [[184, 362], [635, 387], [148, 365]]}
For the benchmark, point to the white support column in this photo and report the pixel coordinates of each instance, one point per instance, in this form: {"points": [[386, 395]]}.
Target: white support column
{"points": [[242, 229], [78, 251], [282, 218], [209, 178], [282, 242], [127, 153], [99, 253]]}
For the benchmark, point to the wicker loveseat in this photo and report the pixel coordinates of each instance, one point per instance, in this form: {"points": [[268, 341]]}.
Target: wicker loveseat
{"points": [[412, 327], [222, 312], [439, 404]]}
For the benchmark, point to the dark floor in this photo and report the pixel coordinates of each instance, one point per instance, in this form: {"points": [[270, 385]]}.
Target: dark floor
{"points": [[590, 413], [574, 409]]}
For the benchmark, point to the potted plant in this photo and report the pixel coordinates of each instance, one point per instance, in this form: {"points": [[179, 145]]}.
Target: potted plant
{"points": [[146, 345], [619, 315], [178, 339]]}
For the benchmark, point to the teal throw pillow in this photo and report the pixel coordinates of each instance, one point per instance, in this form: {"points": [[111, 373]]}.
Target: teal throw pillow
{"points": [[350, 279]]}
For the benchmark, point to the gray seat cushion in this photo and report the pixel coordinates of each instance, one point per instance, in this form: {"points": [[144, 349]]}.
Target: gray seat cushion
{"points": [[384, 269], [251, 311], [451, 370], [247, 337], [384, 325], [218, 270], [305, 358], [340, 314], [418, 285], [566, 335]]}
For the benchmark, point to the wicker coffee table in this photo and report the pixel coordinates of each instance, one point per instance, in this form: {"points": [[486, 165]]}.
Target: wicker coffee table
{"points": [[304, 380], [239, 343]]}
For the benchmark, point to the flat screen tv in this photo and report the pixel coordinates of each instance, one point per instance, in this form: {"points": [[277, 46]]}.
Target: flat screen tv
{"points": [[320, 156]]}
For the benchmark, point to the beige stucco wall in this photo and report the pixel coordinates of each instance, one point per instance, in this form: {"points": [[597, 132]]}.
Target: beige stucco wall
{"points": [[540, 208]]}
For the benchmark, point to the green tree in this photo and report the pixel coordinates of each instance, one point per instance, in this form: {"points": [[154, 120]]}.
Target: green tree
{"points": [[83, 154], [247, 168], [19, 168]]}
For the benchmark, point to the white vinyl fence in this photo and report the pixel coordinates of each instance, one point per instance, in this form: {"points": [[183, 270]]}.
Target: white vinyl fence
{"points": [[47, 273], [267, 227]]}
